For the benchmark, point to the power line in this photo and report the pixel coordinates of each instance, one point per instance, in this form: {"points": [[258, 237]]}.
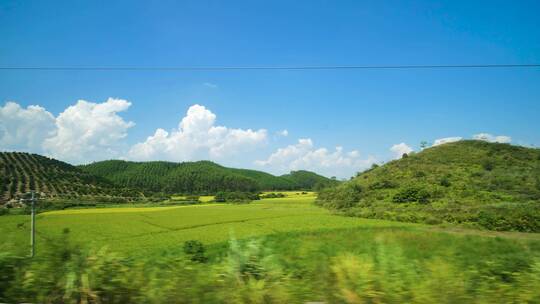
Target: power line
{"points": [[234, 68]]}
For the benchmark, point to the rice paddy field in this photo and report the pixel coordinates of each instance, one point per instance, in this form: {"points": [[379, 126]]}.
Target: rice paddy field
{"points": [[154, 230], [144, 230], [284, 250]]}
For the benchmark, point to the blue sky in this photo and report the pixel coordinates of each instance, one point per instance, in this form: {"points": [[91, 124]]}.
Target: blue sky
{"points": [[367, 111]]}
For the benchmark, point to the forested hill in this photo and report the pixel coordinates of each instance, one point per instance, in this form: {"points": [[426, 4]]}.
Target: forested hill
{"points": [[309, 180], [195, 177], [24, 172], [491, 185]]}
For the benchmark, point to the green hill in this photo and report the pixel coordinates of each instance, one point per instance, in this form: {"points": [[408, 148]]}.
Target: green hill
{"points": [[24, 172], [201, 177], [267, 181], [475, 183], [309, 180], [159, 176]]}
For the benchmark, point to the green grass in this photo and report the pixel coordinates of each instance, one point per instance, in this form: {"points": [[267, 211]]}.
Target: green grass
{"points": [[395, 253], [289, 250], [150, 230], [154, 230]]}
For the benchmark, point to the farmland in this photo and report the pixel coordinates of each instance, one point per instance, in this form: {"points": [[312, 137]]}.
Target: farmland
{"points": [[288, 250], [147, 230], [23, 172], [361, 241]]}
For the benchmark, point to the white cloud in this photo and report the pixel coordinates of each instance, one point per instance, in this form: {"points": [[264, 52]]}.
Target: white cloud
{"points": [[492, 138], [89, 131], [283, 133], [303, 155], [399, 149], [210, 85], [445, 140], [197, 138], [84, 132], [24, 129]]}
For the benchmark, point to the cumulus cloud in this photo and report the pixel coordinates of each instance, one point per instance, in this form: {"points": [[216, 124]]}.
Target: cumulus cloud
{"points": [[492, 138], [197, 137], [83, 132], [283, 133], [89, 131], [445, 140], [304, 155], [25, 129], [399, 149]]}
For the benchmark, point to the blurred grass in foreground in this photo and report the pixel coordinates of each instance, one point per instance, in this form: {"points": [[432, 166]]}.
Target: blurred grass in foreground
{"points": [[387, 265]]}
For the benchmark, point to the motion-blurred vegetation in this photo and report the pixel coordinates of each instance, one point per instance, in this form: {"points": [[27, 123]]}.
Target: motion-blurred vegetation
{"points": [[383, 270]]}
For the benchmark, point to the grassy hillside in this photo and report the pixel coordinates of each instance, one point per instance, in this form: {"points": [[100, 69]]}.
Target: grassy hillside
{"points": [[23, 172], [199, 177], [309, 180], [494, 186]]}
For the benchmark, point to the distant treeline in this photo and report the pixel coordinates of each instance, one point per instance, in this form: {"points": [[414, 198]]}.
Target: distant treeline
{"points": [[122, 181], [201, 177]]}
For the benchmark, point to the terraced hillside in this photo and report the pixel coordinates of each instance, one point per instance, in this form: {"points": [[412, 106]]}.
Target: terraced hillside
{"points": [[23, 172], [201, 177]]}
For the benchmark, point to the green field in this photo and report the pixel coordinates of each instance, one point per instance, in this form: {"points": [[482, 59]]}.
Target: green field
{"points": [[289, 250], [202, 198], [152, 230]]}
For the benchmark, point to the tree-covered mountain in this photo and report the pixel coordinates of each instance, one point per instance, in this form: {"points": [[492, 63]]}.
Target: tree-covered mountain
{"points": [[198, 177], [309, 180], [159, 176], [490, 185], [24, 172]]}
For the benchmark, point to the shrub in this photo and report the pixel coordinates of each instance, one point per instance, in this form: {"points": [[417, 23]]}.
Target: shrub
{"points": [[445, 182], [411, 194], [236, 197], [341, 197], [488, 164], [510, 217], [219, 197], [419, 174], [383, 184], [195, 250], [273, 195]]}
